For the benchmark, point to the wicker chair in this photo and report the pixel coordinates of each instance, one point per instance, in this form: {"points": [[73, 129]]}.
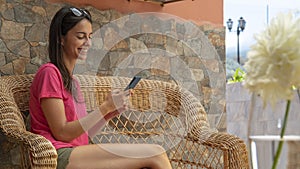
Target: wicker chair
{"points": [[161, 113]]}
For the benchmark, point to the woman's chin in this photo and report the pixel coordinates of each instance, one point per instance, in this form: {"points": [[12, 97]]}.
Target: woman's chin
{"points": [[82, 57]]}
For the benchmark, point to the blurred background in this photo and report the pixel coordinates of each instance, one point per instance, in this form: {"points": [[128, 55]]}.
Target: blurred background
{"points": [[257, 14]]}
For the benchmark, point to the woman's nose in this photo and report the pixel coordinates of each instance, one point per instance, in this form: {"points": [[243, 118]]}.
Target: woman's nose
{"points": [[88, 42]]}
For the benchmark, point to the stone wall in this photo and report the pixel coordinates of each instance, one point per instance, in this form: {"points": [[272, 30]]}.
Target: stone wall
{"points": [[155, 46]]}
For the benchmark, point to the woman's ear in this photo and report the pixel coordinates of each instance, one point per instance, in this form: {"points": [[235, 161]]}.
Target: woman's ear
{"points": [[62, 41]]}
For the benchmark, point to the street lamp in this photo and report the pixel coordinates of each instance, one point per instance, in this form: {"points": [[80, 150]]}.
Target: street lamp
{"points": [[240, 28]]}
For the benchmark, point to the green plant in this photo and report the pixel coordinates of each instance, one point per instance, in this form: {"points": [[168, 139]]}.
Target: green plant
{"points": [[238, 76]]}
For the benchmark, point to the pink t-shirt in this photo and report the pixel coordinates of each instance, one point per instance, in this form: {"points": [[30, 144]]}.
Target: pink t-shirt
{"points": [[48, 83]]}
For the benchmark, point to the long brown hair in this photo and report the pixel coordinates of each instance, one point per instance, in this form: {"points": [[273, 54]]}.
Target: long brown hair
{"points": [[64, 20]]}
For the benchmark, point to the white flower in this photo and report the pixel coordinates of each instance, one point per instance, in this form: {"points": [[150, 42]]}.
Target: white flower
{"points": [[273, 64]]}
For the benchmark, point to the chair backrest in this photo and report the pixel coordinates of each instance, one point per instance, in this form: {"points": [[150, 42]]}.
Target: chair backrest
{"points": [[158, 110], [161, 113], [149, 96]]}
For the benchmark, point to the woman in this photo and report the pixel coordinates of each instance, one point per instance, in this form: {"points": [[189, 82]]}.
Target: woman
{"points": [[55, 116]]}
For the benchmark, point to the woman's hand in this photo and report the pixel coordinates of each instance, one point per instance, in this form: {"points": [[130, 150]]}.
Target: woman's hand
{"points": [[117, 101]]}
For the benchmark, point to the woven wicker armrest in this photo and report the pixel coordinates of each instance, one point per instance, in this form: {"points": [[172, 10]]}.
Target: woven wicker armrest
{"points": [[234, 148], [207, 148], [215, 150], [36, 151]]}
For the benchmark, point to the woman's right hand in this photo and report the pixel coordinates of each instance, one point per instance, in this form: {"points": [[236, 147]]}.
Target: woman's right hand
{"points": [[116, 102]]}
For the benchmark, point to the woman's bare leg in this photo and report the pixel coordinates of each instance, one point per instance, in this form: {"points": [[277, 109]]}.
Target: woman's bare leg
{"points": [[116, 156]]}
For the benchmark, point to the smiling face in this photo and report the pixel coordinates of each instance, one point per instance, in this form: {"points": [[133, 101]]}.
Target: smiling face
{"points": [[77, 41]]}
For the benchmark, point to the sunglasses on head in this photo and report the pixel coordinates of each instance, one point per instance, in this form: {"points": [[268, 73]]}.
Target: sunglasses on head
{"points": [[79, 12]]}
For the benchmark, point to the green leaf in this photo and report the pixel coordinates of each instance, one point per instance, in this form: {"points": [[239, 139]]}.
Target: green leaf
{"points": [[238, 76]]}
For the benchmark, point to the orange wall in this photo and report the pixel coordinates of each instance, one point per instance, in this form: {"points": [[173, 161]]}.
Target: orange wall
{"points": [[199, 11]]}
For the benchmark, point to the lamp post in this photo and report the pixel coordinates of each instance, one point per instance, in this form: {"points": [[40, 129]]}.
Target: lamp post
{"points": [[240, 28]]}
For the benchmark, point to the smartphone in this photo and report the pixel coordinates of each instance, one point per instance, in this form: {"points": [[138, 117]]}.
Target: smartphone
{"points": [[135, 80]]}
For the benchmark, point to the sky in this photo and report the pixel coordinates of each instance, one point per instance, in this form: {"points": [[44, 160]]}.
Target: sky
{"points": [[257, 14]]}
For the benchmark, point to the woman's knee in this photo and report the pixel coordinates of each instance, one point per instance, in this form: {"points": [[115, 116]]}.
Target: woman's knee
{"points": [[157, 149], [160, 160]]}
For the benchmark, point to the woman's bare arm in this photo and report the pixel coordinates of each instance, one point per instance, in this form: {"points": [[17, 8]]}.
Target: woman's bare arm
{"points": [[54, 112]]}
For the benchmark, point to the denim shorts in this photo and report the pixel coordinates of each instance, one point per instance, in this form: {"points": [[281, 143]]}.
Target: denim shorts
{"points": [[63, 157]]}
